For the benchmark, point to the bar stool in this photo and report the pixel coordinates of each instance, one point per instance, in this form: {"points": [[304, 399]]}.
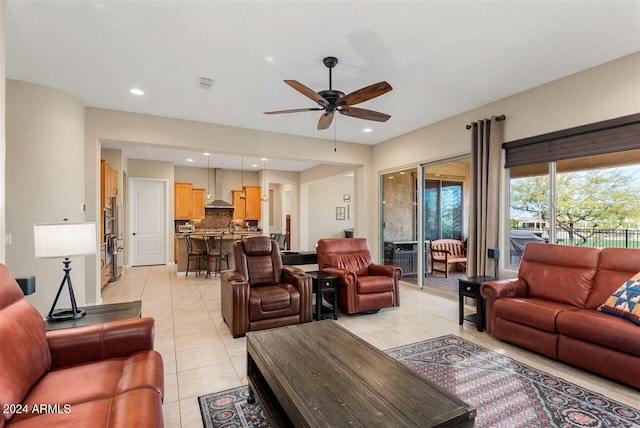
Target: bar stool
{"points": [[192, 254], [213, 244]]}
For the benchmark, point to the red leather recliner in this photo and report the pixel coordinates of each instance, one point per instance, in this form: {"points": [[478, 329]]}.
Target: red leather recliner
{"points": [[260, 293], [95, 376], [364, 285]]}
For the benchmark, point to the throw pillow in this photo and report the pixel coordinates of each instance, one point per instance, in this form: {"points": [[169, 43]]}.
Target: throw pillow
{"points": [[625, 301]]}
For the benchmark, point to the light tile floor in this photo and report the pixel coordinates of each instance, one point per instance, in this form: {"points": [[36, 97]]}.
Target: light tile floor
{"points": [[200, 355]]}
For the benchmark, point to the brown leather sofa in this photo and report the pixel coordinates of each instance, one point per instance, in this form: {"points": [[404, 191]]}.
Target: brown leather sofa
{"points": [[260, 293], [551, 308], [364, 285], [104, 375]]}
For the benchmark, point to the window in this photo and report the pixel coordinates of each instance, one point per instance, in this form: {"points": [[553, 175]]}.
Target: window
{"points": [[576, 187], [443, 213]]}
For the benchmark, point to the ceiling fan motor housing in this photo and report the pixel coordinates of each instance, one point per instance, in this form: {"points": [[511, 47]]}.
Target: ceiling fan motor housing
{"points": [[331, 96]]}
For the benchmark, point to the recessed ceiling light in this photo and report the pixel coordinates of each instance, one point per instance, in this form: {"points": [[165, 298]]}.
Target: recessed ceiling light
{"points": [[136, 91], [367, 130], [207, 154], [189, 160], [269, 58], [264, 159], [255, 165]]}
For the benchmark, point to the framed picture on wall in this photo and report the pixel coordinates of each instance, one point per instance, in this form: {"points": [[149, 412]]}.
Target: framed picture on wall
{"points": [[340, 213], [350, 213], [346, 198]]}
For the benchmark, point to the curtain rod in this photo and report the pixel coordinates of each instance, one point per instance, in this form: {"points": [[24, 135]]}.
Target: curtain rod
{"points": [[498, 118]]}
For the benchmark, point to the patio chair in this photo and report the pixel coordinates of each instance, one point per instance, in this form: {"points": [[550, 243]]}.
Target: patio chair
{"points": [[447, 252]]}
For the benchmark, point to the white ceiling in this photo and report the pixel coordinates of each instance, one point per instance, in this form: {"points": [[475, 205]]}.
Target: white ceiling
{"points": [[442, 58]]}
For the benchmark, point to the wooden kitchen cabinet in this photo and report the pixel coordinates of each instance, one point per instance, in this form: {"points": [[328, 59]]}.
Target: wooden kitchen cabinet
{"points": [[249, 208], [252, 207], [239, 205], [197, 204], [109, 184], [182, 201]]}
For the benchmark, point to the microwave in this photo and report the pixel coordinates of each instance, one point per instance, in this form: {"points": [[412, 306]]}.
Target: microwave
{"points": [[186, 228]]}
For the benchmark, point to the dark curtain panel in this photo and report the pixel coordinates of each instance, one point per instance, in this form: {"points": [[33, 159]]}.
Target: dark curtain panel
{"points": [[484, 210]]}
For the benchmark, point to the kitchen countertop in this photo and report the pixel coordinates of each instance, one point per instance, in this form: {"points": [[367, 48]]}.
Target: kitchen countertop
{"points": [[226, 234]]}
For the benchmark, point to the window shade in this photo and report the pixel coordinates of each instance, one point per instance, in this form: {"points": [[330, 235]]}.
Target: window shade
{"points": [[615, 135]]}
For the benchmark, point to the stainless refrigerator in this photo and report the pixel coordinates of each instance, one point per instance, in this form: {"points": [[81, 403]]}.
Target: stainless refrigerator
{"points": [[115, 245]]}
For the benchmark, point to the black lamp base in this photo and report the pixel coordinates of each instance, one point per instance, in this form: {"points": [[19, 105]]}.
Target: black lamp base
{"points": [[66, 315]]}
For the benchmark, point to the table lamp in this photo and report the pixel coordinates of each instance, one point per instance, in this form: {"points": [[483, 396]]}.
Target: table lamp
{"points": [[494, 253], [53, 240]]}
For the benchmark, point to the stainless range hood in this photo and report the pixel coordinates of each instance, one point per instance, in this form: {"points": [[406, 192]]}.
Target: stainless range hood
{"points": [[218, 203]]}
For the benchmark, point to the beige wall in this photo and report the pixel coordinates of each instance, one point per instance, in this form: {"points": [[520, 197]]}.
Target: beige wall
{"points": [[604, 92], [324, 197], [44, 182], [3, 77], [110, 125]]}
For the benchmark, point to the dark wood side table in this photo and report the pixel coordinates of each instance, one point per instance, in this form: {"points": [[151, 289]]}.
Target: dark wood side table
{"points": [[324, 283], [470, 287], [99, 314]]}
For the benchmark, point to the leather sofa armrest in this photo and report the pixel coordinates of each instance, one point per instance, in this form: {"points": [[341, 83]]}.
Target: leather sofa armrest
{"points": [[494, 290], [96, 342], [302, 281], [345, 277], [293, 270], [231, 275], [385, 270]]}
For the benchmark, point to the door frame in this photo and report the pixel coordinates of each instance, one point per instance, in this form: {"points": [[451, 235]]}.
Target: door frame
{"points": [[168, 216]]}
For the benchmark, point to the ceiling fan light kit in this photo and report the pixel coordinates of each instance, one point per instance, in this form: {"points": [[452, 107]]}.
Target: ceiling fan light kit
{"points": [[331, 100]]}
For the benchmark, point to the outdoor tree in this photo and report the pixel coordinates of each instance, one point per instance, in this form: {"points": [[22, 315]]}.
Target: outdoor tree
{"points": [[585, 201]]}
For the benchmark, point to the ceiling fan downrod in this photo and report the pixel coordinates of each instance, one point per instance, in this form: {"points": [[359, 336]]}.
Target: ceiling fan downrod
{"points": [[330, 62]]}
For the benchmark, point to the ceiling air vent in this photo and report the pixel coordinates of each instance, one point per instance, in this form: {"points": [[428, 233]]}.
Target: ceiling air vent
{"points": [[206, 83]]}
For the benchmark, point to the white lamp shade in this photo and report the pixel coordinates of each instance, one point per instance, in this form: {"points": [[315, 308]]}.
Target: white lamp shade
{"points": [[64, 239]]}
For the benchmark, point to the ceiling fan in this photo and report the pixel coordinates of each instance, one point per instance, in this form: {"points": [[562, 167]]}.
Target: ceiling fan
{"points": [[331, 101]]}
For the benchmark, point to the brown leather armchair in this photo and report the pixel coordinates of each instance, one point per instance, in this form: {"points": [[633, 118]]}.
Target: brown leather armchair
{"points": [[364, 285], [261, 293], [92, 376]]}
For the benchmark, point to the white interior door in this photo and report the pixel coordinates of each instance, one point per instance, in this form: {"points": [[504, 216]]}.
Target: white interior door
{"points": [[148, 221]]}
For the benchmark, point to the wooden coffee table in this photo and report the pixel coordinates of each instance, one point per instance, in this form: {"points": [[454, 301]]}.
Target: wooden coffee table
{"points": [[319, 374]]}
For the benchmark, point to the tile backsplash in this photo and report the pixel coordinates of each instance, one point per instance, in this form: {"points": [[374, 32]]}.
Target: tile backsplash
{"points": [[219, 218]]}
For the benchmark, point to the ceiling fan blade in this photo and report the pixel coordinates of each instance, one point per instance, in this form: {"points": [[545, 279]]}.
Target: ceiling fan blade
{"points": [[325, 121], [295, 110], [308, 92], [364, 94], [362, 113]]}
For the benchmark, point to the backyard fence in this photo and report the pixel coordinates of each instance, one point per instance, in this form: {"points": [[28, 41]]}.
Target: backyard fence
{"points": [[585, 237]]}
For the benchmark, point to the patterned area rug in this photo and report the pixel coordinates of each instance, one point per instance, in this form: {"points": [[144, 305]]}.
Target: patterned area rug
{"points": [[506, 393]]}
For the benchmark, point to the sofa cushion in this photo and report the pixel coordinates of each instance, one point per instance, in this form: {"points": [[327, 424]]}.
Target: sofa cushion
{"points": [[137, 408], [601, 329], [532, 312], [625, 301], [374, 284], [98, 380], [25, 355], [615, 267], [559, 273], [273, 301]]}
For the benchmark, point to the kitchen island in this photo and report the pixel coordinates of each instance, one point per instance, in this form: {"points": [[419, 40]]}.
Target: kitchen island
{"points": [[228, 238]]}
